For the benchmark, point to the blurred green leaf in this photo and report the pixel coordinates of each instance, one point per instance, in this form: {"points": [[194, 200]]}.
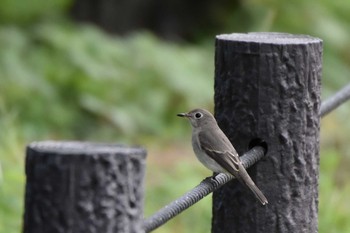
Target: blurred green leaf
{"points": [[25, 12]]}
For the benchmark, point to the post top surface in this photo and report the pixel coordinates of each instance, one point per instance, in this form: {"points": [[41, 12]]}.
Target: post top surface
{"points": [[269, 38], [78, 147]]}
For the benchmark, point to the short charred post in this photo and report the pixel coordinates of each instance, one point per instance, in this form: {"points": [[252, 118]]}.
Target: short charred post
{"points": [[83, 187]]}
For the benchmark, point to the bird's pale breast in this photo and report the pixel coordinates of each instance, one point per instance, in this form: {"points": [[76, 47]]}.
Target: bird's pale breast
{"points": [[204, 158]]}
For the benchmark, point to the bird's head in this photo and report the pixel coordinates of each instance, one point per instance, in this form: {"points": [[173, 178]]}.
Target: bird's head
{"points": [[199, 117]]}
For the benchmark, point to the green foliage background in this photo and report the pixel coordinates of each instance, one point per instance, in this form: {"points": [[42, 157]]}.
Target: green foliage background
{"points": [[61, 80]]}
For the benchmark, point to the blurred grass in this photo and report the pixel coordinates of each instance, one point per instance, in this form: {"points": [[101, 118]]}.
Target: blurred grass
{"points": [[11, 174], [80, 73], [59, 80], [334, 208]]}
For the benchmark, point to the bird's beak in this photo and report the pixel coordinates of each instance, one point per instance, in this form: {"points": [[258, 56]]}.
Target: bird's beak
{"points": [[183, 115]]}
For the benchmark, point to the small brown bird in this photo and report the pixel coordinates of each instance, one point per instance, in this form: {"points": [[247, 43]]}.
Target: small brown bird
{"points": [[215, 151]]}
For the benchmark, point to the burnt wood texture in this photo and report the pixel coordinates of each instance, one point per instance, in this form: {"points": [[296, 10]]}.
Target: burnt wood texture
{"points": [[83, 187], [267, 87]]}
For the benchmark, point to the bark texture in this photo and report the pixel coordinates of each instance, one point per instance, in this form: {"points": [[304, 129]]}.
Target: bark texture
{"points": [[267, 87], [77, 187]]}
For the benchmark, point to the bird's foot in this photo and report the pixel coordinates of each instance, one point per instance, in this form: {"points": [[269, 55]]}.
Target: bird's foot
{"points": [[210, 178]]}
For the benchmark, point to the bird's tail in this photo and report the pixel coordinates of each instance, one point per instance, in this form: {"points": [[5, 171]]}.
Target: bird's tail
{"points": [[244, 178]]}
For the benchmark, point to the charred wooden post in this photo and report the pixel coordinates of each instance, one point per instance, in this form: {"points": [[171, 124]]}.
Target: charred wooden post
{"points": [[267, 88], [83, 187]]}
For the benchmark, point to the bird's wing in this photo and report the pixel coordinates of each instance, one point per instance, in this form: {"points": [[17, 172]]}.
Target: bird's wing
{"points": [[221, 151]]}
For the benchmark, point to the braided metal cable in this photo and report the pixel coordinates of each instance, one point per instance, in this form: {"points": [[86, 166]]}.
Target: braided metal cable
{"points": [[210, 184], [207, 186], [334, 101]]}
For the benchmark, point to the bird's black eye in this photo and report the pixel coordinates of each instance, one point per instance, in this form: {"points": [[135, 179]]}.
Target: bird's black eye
{"points": [[198, 115]]}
